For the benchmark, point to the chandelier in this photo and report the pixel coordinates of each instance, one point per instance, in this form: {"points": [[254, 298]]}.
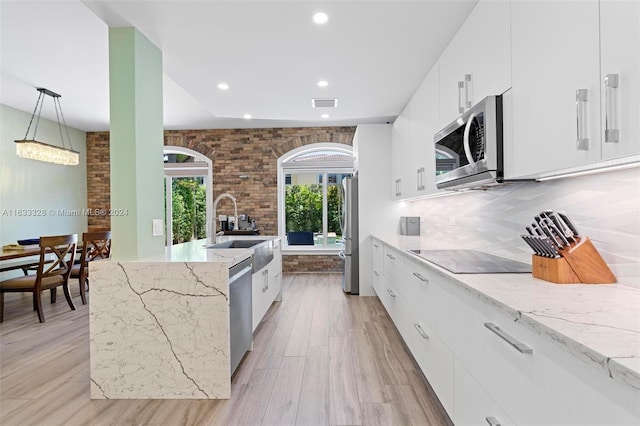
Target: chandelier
{"points": [[40, 151]]}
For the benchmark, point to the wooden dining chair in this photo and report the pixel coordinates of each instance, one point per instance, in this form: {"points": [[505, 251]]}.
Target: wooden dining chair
{"points": [[49, 275], [95, 245]]}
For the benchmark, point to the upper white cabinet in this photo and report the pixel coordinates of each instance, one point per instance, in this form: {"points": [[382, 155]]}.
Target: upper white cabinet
{"points": [[555, 58], [413, 173], [477, 61], [399, 149], [561, 54], [620, 66]]}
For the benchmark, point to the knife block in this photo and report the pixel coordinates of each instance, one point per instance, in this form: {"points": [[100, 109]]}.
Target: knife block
{"points": [[555, 270], [580, 263]]}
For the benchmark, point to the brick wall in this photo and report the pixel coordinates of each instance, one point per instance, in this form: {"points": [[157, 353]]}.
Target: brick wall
{"points": [[234, 152], [322, 263], [98, 178]]}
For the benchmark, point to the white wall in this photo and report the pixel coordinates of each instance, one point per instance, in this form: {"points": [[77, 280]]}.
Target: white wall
{"points": [[35, 185], [377, 213], [605, 207]]}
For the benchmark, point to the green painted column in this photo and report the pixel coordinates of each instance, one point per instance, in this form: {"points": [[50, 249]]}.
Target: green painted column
{"points": [[136, 144]]}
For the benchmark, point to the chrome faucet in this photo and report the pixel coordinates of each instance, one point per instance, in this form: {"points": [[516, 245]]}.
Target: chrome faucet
{"points": [[215, 217]]}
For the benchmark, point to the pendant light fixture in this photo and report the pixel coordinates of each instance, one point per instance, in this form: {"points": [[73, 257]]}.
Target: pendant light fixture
{"points": [[40, 151]]}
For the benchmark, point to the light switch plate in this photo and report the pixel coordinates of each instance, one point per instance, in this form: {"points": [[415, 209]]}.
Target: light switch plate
{"points": [[158, 227]]}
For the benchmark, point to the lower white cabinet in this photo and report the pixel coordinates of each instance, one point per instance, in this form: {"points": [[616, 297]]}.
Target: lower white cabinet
{"points": [[267, 285], [486, 367], [474, 405]]}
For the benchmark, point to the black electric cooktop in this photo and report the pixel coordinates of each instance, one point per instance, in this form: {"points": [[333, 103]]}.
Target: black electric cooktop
{"points": [[472, 262]]}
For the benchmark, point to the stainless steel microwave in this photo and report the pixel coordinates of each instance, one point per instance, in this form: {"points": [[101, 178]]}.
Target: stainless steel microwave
{"points": [[469, 150]]}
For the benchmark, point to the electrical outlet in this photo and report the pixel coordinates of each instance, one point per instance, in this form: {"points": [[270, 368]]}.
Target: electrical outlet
{"points": [[452, 221], [158, 227]]}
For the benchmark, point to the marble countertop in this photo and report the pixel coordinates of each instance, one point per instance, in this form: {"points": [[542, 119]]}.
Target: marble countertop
{"points": [[600, 324], [196, 251]]}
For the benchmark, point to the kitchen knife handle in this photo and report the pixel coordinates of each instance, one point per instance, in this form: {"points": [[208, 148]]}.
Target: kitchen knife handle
{"points": [[391, 293], [611, 131], [420, 331], [420, 277], [520, 347], [582, 140]]}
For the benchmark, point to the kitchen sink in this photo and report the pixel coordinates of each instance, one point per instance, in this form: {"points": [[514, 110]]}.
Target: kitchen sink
{"points": [[262, 253], [236, 244]]}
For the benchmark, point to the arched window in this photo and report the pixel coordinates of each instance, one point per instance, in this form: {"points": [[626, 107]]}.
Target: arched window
{"points": [[310, 197], [188, 182]]}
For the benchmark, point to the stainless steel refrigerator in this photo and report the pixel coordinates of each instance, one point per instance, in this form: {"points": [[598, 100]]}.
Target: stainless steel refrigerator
{"points": [[350, 279]]}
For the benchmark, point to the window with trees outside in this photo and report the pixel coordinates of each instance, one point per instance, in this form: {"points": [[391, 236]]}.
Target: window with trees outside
{"points": [[311, 196]]}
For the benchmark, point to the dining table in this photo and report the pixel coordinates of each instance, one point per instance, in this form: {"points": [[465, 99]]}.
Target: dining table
{"points": [[21, 258]]}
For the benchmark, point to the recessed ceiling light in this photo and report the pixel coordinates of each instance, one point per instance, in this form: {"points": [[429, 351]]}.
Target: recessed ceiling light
{"points": [[247, 116], [223, 86], [320, 18], [325, 116], [323, 83]]}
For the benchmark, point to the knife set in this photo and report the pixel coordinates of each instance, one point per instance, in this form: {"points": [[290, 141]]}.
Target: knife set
{"points": [[562, 255]]}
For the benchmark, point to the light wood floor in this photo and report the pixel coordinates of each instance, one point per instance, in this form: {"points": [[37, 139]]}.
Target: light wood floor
{"points": [[320, 357]]}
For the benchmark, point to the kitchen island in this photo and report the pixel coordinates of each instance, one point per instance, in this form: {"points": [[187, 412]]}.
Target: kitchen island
{"points": [[159, 327]]}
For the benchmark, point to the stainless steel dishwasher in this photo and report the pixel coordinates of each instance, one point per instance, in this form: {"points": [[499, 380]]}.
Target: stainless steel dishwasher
{"points": [[240, 316]]}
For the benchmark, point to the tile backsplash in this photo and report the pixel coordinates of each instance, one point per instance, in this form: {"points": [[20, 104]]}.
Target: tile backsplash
{"points": [[605, 207]]}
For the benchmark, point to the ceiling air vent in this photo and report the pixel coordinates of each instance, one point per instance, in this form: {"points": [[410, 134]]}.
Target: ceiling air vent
{"points": [[324, 103]]}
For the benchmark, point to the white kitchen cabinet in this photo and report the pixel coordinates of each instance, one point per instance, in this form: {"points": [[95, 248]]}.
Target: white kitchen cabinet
{"points": [[620, 56], [429, 297], [486, 366], [478, 58], [400, 175], [532, 380], [430, 352], [377, 263], [266, 285], [413, 172], [555, 53], [474, 406], [562, 53]]}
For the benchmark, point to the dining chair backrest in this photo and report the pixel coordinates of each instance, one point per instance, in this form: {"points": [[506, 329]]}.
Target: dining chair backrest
{"points": [[95, 245], [63, 249]]}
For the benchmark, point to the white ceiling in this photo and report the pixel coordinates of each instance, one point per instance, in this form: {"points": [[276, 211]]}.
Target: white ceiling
{"points": [[373, 54]]}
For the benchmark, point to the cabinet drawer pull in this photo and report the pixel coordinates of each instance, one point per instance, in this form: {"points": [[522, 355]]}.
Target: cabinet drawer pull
{"points": [[391, 257], [420, 277], [611, 131], [421, 331], [375, 245], [460, 104], [391, 293], [376, 273], [492, 421], [582, 140], [521, 347]]}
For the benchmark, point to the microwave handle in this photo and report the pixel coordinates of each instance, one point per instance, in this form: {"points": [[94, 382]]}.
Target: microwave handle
{"points": [[465, 140]]}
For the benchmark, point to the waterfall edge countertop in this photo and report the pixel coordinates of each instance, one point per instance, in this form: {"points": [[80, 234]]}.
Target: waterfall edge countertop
{"points": [[599, 324], [159, 327]]}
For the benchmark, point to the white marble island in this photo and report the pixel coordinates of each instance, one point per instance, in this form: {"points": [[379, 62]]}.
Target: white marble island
{"points": [[159, 328]]}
